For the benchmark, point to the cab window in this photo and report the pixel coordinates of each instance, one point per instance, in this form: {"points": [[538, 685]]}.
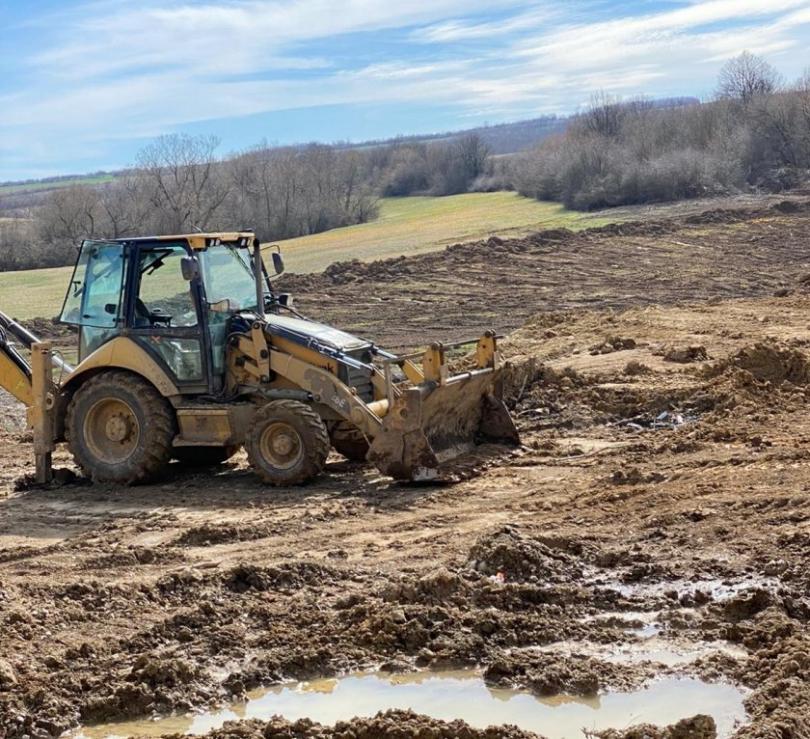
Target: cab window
{"points": [[163, 298], [94, 294]]}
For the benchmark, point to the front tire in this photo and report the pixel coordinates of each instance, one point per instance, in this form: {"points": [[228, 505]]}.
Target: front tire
{"points": [[288, 443], [120, 429]]}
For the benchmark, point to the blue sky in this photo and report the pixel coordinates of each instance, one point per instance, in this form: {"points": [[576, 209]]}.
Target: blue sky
{"points": [[85, 84]]}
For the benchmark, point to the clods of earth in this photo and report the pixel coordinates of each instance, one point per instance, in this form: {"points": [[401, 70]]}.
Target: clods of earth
{"points": [[653, 531]]}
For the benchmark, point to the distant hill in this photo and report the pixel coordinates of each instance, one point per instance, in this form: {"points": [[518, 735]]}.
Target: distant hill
{"points": [[501, 138]]}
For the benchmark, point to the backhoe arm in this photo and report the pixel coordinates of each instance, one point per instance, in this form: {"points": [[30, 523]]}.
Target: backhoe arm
{"points": [[32, 384], [15, 372]]}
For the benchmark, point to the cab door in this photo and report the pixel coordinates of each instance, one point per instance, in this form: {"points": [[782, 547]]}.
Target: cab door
{"points": [[164, 315], [94, 298]]}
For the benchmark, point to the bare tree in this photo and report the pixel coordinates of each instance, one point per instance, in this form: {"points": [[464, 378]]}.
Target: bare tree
{"points": [[125, 207], [185, 184], [70, 214], [747, 77], [604, 115], [473, 155]]}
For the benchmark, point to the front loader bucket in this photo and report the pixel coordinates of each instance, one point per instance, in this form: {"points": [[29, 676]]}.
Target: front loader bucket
{"points": [[431, 424]]}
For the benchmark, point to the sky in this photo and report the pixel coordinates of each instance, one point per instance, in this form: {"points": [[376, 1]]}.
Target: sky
{"points": [[84, 84]]}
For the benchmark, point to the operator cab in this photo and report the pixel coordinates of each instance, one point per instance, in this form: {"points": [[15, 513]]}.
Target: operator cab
{"points": [[174, 296]]}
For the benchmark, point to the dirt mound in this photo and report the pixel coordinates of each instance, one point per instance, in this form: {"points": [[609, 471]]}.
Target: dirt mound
{"points": [[747, 604], [768, 362], [211, 534], [726, 215], [510, 555], [552, 674], [292, 576], [48, 328], [697, 727], [394, 724]]}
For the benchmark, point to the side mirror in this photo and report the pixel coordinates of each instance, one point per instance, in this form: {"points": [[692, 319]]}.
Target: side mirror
{"points": [[190, 268], [278, 262]]}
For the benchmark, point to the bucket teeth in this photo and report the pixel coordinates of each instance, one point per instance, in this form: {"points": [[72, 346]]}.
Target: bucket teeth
{"points": [[431, 425]]}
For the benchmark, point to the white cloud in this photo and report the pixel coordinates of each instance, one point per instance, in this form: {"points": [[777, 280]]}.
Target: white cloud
{"points": [[121, 69], [225, 37], [460, 30]]}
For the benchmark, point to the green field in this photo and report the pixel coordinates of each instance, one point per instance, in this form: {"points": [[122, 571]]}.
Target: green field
{"points": [[14, 188], [409, 226], [414, 225]]}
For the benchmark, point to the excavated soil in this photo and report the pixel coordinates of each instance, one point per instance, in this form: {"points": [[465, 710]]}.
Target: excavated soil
{"points": [[499, 283], [665, 477]]}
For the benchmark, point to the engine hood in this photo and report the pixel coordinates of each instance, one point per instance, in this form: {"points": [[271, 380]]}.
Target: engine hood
{"points": [[300, 330]]}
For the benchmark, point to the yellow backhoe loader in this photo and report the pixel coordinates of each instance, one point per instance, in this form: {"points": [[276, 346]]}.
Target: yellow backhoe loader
{"points": [[186, 351]]}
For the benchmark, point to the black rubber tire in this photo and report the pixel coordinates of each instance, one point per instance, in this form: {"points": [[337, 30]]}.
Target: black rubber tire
{"points": [[203, 456], [349, 441], [312, 440], [151, 451]]}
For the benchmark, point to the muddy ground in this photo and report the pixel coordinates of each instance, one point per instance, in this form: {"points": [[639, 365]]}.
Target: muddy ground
{"points": [[664, 477], [719, 254]]}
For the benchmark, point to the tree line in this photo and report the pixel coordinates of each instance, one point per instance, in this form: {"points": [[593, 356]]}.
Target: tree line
{"points": [[178, 184], [754, 133]]}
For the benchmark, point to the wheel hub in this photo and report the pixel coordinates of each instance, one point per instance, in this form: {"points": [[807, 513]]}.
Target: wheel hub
{"points": [[111, 430], [118, 428], [281, 446]]}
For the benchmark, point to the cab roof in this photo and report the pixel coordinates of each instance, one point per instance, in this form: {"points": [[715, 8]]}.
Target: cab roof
{"points": [[198, 240]]}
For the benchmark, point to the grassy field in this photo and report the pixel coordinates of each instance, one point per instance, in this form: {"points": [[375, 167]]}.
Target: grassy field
{"points": [[13, 188], [414, 225], [406, 226]]}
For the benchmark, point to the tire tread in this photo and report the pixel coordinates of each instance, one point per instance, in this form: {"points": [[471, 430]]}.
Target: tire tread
{"points": [[161, 426]]}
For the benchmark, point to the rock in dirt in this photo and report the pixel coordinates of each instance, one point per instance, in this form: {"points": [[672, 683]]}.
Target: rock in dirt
{"points": [[686, 355], [613, 344], [8, 677]]}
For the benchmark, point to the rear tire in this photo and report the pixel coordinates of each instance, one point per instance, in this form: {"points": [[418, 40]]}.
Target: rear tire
{"points": [[120, 429], [203, 456], [288, 443]]}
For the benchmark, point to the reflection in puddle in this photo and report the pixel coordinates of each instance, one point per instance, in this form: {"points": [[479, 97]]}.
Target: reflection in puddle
{"points": [[459, 694]]}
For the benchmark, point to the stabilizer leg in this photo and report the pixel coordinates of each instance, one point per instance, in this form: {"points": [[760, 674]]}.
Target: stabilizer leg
{"points": [[40, 414]]}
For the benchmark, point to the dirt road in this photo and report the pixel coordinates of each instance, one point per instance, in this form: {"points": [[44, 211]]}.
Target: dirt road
{"points": [[664, 478]]}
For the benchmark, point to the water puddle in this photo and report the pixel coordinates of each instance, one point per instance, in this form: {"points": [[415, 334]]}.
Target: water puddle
{"points": [[650, 649], [462, 694], [642, 624], [718, 590]]}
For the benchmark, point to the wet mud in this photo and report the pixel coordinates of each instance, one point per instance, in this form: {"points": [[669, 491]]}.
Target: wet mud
{"points": [[550, 572]]}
